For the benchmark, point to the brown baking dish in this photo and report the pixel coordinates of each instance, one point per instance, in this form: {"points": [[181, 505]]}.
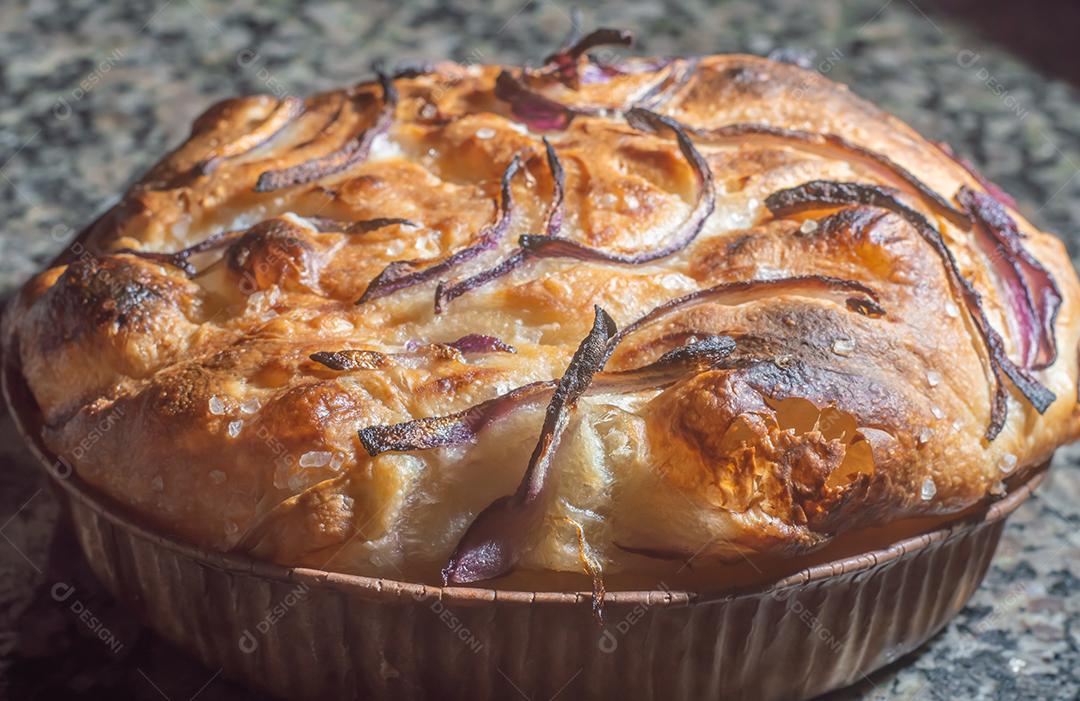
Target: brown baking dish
{"points": [[304, 633]]}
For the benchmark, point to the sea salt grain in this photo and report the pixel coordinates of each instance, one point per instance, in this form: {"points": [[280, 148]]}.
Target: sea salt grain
{"points": [[250, 406], [1008, 463], [234, 428], [485, 133], [809, 226], [924, 435], [337, 461], [933, 378], [217, 407], [315, 458], [843, 346], [937, 412], [928, 490], [631, 202], [952, 310]]}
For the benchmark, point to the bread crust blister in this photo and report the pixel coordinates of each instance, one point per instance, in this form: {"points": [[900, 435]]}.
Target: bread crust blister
{"points": [[201, 356]]}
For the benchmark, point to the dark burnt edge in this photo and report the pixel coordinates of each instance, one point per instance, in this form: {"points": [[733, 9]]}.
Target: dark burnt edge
{"points": [[393, 277], [645, 120], [446, 292], [355, 151], [670, 85], [483, 552], [295, 107], [933, 200], [818, 192], [992, 215]]}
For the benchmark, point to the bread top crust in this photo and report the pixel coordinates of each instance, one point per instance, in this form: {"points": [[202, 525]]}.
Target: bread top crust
{"points": [[193, 399]]}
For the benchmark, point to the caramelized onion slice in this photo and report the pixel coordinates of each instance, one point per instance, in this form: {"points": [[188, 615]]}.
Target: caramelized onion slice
{"points": [[564, 63], [834, 146], [530, 107], [397, 275], [1031, 291], [669, 85], [817, 193], [287, 109], [465, 426], [180, 259], [492, 544], [558, 247], [445, 292], [856, 297], [351, 359], [354, 152], [481, 343]]}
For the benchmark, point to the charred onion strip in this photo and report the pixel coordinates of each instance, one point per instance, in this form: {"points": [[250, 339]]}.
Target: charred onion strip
{"points": [[491, 545], [445, 293], [180, 258], [481, 343], [365, 359], [281, 116], [353, 152], [825, 193], [345, 360], [1028, 287], [366, 225], [558, 247], [564, 63], [832, 145], [396, 277], [538, 112], [464, 426], [856, 297], [326, 225], [996, 192]]}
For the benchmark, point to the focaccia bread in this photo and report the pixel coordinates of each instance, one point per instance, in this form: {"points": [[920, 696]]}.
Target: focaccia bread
{"points": [[581, 317]]}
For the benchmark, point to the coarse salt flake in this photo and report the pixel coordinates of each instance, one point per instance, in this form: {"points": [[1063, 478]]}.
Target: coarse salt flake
{"points": [[315, 458], [217, 407]]}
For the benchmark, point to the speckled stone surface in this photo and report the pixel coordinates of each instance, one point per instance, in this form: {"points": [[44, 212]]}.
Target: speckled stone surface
{"points": [[91, 93]]}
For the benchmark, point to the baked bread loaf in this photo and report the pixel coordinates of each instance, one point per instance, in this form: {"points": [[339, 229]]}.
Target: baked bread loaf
{"points": [[590, 316]]}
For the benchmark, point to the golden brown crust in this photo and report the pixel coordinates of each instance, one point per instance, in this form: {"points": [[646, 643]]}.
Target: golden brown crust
{"points": [[195, 403]]}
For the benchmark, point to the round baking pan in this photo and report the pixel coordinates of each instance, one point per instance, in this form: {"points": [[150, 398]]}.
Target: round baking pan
{"points": [[305, 633]]}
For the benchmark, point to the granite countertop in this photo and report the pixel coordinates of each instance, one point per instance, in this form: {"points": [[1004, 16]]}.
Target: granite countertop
{"points": [[95, 92]]}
